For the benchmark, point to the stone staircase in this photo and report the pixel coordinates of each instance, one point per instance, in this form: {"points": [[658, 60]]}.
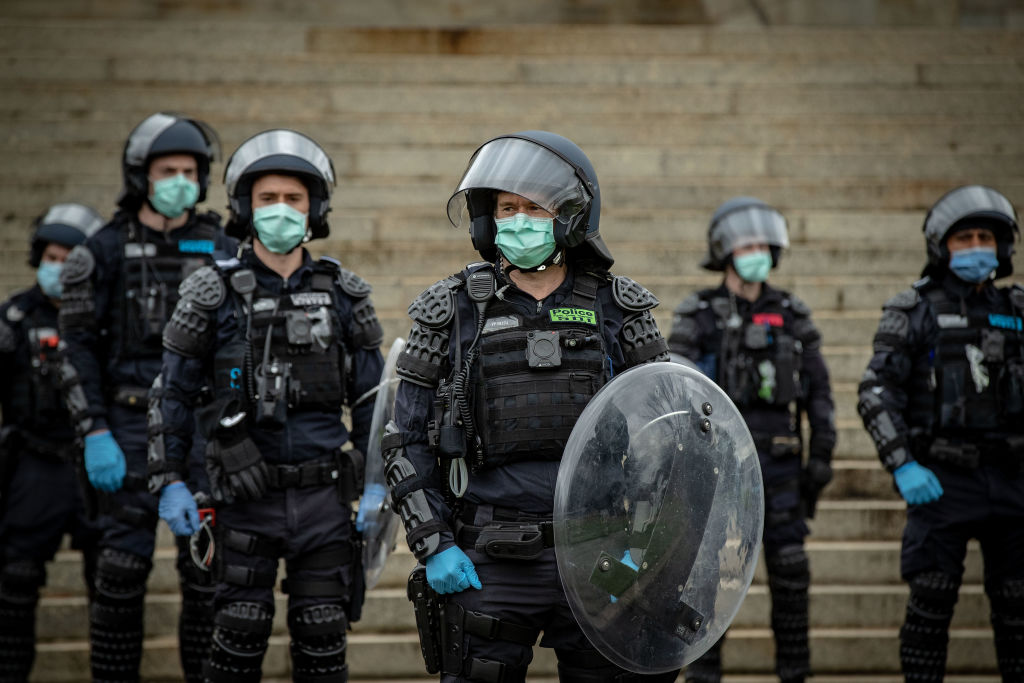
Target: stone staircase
{"points": [[852, 133]]}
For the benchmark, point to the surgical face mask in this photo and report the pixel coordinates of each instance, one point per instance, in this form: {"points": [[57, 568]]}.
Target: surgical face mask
{"points": [[974, 264], [279, 227], [753, 266], [525, 241], [48, 277], [173, 196]]}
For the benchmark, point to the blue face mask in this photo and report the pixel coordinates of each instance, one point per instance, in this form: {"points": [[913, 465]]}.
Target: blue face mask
{"points": [[279, 227], [48, 277], [525, 241], [974, 264], [173, 196], [754, 266]]}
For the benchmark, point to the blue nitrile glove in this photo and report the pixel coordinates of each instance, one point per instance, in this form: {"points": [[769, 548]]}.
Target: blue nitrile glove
{"points": [[178, 508], [373, 496], [917, 484], [104, 461], [451, 571], [627, 560]]}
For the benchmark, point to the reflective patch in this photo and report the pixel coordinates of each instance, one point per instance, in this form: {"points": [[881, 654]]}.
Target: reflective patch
{"points": [[1007, 322], [14, 314], [195, 246], [261, 305], [136, 250], [505, 322], [311, 299], [773, 319], [951, 320], [573, 315]]}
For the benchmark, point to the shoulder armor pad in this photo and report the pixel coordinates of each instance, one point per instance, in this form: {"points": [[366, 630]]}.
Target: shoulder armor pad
{"points": [[204, 288], [8, 341], [353, 285], [15, 313], [79, 265], [798, 306], [689, 305], [905, 300], [631, 295], [1017, 296], [436, 305]]}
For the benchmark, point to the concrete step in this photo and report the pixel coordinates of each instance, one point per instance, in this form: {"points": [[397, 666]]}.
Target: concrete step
{"points": [[867, 651]]}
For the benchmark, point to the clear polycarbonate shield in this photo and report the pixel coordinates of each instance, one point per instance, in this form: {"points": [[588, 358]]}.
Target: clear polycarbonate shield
{"points": [[659, 508], [524, 168], [746, 226], [141, 139], [74, 215], [963, 202], [280, 142], [380, 522]]}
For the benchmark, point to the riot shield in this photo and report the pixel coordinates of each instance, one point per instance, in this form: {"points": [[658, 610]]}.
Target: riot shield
{"points": [[659, 507], [379, 522]]}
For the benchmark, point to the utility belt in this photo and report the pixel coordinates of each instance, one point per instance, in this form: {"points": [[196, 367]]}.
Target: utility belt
{"points": [[19, 441], [508, 535], [778, 446], [135, 517], [134, 398], [1006, 454], [326, 470]]}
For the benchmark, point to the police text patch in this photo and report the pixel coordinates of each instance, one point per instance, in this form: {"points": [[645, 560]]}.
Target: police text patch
{"points": [[311, 299], [573, 315]]}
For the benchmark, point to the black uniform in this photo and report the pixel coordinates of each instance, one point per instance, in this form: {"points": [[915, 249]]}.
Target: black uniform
{"points": [[945, 388], [305, 346], [119, 290], [527, 368], [766, 355], [37, 450]]}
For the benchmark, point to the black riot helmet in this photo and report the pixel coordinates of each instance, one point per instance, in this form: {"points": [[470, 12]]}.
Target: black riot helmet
{"points": [[741, 221], [159, 135], [970, 206], [65, 224], [547, 169], [283, 152]]}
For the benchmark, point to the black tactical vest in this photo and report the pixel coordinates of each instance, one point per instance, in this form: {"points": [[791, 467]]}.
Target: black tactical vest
{"points": [[536, 374], [150, 274], [977, 368]]}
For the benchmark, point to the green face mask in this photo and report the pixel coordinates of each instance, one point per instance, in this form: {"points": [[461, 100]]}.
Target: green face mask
{"points": [[279, 227], [753, 267], [525, 241], [173, 196]]}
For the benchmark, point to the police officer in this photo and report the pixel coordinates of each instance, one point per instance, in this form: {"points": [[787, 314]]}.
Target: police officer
{"points": [[119, 290], [39, 494], [759, 344], [286, 341], [501, 360], [943, 400]]}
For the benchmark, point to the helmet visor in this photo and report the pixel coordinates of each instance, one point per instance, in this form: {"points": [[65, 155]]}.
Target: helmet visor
{"points": [[964, 202], [526, 169], [748, 226], [80, 217], [141, 139], [279, 143]]}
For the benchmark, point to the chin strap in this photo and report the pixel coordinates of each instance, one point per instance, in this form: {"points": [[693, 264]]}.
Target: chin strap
{"points": [[557, 258]]}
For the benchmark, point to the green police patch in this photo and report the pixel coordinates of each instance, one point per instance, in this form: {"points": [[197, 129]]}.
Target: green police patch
{"points": [[573, 315]]}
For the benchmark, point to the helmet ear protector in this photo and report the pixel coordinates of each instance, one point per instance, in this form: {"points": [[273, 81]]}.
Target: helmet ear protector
{"points": [[161, 135], [65, 224]]}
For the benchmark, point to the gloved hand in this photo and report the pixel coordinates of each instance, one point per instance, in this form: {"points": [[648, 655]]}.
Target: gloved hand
{"points": [[917, 483], [237, 471], [817, 473], [627, 560], [104, 461], [178, 509], [451, 571], [373, 496]]}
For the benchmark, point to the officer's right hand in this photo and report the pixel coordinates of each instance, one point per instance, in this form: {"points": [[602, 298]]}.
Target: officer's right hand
{"points": [[104, 461], [373, 496], [917, 483], [451, 571], [178, 508]]}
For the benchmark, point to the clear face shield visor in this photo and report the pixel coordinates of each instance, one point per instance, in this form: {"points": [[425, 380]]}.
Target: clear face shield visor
{"points": [[973, 200], [141, 140], [278, 143], [524, 168], [748, 226], [75, 215]]}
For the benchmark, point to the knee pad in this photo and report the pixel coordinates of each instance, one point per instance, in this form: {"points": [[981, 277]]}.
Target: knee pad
{"points": [[115, 616], [120, 576], [318, 643], [789, 578], [924, 635], [789, 569], [195, 628], [19, 593], [1007, 600], [20, 581], [239, 641]]}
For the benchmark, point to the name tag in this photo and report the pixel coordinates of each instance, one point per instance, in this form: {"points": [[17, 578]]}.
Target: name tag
{"points": [[136, 250], [311, 299], [261, 305], [504, 322], [951, 320], [573, 315]]}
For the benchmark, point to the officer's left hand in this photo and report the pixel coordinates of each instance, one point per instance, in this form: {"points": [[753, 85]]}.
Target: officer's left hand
{"points": [[178, 509], [627, 560], [814, 477], [372, 498]]}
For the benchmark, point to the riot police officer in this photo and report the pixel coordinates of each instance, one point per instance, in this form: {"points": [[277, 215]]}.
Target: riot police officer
{"points": [[39, 495], [119, 290], [943, 400], [759, 344], [286, 341], [501, 360]]}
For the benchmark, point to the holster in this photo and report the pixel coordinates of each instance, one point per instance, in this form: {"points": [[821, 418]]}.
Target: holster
{"points": [[511, 541], [427, 607], [352, 468]]}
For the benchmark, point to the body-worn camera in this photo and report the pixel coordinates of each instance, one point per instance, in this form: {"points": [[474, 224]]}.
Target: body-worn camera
{"points": [[543, 349]]}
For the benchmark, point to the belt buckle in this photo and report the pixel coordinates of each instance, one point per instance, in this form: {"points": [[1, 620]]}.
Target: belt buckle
{"points": [[288, 476]]}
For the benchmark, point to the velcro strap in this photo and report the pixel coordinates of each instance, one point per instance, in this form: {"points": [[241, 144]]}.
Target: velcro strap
{"points": [[404, 488], [250, 544], [323, 559], [488, 627], [423, 368], [489, 671], [302, 588], [642, 354], [400, 439], [414, 536], [239, 575]]}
